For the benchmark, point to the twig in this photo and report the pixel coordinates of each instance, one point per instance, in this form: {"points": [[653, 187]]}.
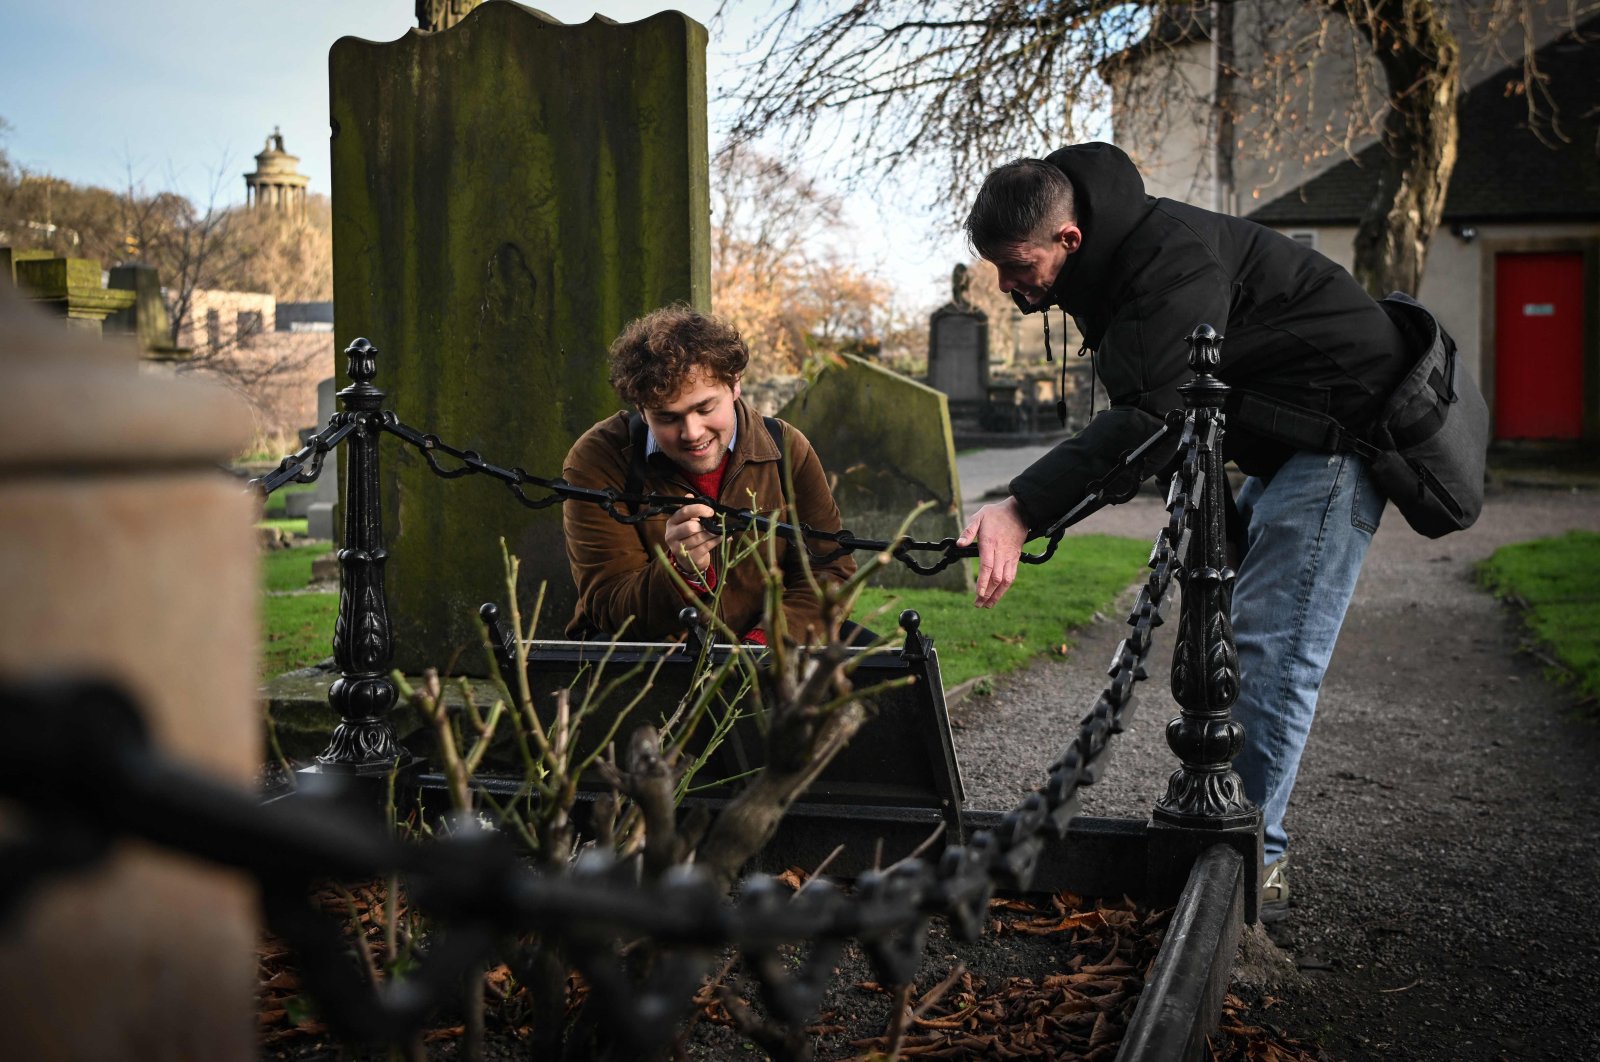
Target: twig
{"points": [[899, 1019], [938, 832], [1403, 988], [815, 874], [937, 992]]}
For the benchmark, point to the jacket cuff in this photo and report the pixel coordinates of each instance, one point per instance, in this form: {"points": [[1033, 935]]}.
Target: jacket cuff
{"points": [[699, 582]]}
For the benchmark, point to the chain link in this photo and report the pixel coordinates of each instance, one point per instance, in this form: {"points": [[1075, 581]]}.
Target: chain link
{"points": [[292, 468], [629, 508]]}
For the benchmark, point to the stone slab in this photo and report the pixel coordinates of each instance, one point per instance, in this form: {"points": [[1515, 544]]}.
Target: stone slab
{"points": [[887, 440]]}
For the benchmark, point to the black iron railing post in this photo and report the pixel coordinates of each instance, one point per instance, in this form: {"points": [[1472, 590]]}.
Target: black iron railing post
{"points": [[1205, 803], [363, 643]]}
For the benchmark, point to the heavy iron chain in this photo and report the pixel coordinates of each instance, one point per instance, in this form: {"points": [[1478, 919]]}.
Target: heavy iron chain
{"points": [[292, 469], [483, 891], [628, 508]]}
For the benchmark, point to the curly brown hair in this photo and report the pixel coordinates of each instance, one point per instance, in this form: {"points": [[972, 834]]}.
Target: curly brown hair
{"points": [[655, 355]]}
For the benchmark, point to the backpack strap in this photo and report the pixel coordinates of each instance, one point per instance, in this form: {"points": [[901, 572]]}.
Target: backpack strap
{"points": [[775, 429], [1297, 426], [637, 436]]}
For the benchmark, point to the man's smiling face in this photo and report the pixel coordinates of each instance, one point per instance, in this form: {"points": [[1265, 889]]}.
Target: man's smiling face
{"points": [[694, 427]]}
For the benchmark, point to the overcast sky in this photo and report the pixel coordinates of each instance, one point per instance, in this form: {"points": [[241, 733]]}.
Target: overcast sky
{"points": [[187, 91]]}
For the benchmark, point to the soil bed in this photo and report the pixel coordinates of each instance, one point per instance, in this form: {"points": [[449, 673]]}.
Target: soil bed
{"points": [[1051, 978]]}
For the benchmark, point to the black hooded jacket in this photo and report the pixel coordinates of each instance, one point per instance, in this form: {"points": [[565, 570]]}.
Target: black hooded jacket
{"points": [[1296, 326]]}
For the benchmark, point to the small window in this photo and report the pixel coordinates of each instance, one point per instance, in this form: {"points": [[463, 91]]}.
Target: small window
{"points": [[249, 324], [1305, 236], [213, 329]]}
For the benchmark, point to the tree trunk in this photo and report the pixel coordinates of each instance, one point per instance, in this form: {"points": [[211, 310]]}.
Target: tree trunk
{"points": [[1422, 69]]}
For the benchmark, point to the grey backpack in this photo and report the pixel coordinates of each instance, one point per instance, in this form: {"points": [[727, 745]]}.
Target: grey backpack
{"points": [[1427, 447]]}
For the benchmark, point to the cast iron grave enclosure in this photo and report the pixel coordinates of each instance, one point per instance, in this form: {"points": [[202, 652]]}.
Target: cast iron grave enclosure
{"points": [[1201, 847]]}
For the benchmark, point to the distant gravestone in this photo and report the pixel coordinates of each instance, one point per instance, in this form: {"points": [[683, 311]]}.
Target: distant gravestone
{"points": [[958, 347], [507, 194], [887, 439], [319, 514], [71, 288], [147, 318]]}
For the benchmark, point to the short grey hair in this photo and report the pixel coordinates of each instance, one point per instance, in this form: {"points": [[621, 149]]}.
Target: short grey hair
{"points": [[1019, 201]]}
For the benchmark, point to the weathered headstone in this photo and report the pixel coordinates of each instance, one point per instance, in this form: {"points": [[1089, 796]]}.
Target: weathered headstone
{"points": [[147, 318], [958, 348], [507, 195], [325, 498], [125, 554], [70, 287], [887, 440], [11, 256]]}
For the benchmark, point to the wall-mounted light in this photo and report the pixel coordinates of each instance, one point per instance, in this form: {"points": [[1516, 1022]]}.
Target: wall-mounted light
{"points": [[1464, 231]]}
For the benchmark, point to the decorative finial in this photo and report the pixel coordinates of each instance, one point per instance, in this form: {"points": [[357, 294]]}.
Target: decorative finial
{"points": [[910, 621], [363, 361], [1205, 348]]}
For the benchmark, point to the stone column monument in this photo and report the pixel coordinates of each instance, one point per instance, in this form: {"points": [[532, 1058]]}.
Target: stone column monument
{"points": [[507, 194], [126, 554]]}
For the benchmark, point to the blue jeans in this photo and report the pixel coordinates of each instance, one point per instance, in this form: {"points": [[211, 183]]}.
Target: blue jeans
{"points": [[1307, 532]]}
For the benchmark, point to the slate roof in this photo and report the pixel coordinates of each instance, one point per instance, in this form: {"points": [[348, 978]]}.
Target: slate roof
{"points": [[1504, 172]]}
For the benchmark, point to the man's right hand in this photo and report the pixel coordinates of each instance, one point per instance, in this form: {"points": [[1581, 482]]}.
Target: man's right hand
{"points": [[1000, 531], [688, 544]]}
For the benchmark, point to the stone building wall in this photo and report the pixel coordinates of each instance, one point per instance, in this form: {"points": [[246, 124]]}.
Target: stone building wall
{"points": [[233, 337]]}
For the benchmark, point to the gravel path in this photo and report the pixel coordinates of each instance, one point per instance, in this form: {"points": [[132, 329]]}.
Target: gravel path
{"points": [[1444, 864]]}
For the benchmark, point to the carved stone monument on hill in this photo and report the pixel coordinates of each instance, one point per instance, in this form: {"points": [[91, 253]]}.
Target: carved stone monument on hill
{"points": [[507, 194], [886, 442]]}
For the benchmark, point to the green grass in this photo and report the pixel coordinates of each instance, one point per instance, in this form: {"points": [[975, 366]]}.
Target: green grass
{"points": [[1556, 583], [288, 569], [296, 629], [1047, 600], [275, 502], [289, 527]]}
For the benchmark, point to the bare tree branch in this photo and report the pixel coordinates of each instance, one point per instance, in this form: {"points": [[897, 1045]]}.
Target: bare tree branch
{"points": [[948, 90]]}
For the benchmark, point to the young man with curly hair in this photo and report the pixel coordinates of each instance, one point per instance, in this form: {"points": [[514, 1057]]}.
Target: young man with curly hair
{"points": [[689, 433]]}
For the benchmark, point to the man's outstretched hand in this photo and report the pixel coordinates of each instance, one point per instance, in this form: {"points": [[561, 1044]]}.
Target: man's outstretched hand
{"points": [[999, 530]]}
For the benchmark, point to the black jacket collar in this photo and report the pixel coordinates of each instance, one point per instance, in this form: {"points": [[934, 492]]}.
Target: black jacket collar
{"points": [[1111, 203]]}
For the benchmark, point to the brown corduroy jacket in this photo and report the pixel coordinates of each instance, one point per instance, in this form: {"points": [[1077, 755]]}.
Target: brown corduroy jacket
{"points": [[615, 565]]}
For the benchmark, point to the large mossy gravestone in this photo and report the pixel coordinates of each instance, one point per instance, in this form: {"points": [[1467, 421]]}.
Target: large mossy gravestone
{"points": [[507, 194], [887, 441]]}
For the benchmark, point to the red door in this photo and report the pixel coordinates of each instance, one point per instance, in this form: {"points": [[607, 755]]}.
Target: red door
{"points": [[1538, 346]]}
